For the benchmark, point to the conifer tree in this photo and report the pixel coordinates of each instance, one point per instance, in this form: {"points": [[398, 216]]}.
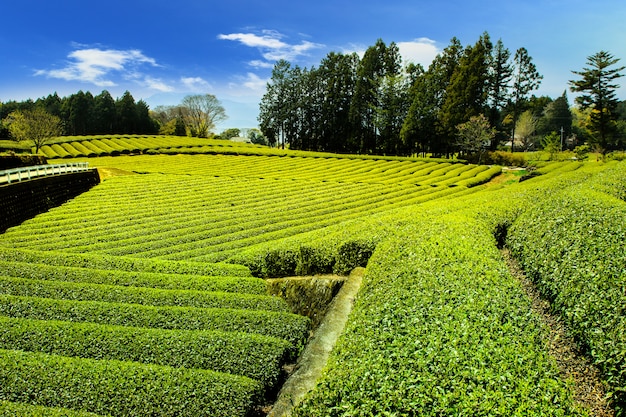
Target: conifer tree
{"points": [[598, 93]]}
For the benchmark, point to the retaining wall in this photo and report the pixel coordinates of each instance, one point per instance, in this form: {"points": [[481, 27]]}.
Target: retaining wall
{"points": [[24, 200]]}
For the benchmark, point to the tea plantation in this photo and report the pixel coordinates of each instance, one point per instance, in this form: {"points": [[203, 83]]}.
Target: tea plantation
{"points": [[144, 296]]}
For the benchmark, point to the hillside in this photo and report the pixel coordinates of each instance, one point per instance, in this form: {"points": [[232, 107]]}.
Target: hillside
{"points": [[172, 253]]}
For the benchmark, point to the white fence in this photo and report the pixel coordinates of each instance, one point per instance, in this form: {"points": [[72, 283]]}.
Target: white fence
{"points": [[26, 173]]}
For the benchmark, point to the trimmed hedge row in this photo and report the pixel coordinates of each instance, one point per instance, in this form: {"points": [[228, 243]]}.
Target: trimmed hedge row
{"points": [[123, 388], [100, 261], [282, 325], [573, 247], [138, 295], [11, 409], [254, 356], [440, 328], [243, 285]]}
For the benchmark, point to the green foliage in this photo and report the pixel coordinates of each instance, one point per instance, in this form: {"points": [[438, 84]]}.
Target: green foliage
{"points": [[100, 261], [504, 159], [123, 388], [36, 126], [281, 325], [475, 136], [9, 409], [582, 152], [572, 245], [439, 326], [251, 355], [597, 85], [552, 145], [417, 341], [137, 295], [37, 270]]}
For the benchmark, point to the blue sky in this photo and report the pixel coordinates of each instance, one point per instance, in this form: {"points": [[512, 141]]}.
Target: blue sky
{"points": [[161, 51]]}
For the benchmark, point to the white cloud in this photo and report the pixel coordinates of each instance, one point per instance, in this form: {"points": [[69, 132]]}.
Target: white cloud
{"points": [[195, 83], [254, 82], [94, 65], [250, 85], [271, 46], [418, 51], [257, 63], [157, 84]]}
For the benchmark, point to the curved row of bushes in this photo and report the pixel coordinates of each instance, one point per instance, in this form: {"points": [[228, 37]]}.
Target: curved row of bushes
{"points": [[123, 388], [573, 247], [254, 356], [138, 295], [41, 271], [283, 325], [440, 328]]}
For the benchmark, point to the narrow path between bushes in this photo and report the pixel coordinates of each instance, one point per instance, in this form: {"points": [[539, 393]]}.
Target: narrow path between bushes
{"points": [[313, 359], [589, 391]]}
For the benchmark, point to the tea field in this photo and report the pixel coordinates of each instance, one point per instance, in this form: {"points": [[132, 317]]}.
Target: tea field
{"points": [[144, 296]]}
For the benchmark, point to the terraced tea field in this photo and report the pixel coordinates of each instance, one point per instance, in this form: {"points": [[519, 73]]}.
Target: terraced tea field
{"points": [[143, 297]]}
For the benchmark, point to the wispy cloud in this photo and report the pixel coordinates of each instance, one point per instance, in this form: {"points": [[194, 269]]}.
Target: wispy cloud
{"points": [[271, 46], [98, 66], [157, 84], [195, 83]]}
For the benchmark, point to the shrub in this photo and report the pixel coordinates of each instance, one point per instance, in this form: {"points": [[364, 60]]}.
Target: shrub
{"points": [[255, 356], [572, 246], [290, 327], [440, 328], [9, 409], [123, 388], [138, 295]]}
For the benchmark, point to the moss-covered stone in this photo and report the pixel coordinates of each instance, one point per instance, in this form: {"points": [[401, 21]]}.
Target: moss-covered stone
{"points": [[307, 296]]}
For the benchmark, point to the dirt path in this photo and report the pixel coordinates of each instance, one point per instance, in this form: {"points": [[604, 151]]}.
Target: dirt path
{"points": [[589, 391], [316, 353]]}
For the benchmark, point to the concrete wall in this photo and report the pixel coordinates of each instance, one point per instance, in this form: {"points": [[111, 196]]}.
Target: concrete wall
{"points": [[24, 200]]}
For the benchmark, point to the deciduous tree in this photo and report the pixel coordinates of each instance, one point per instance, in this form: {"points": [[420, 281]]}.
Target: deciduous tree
{"points": [[474, 136], [204, 112], [36, 125]]}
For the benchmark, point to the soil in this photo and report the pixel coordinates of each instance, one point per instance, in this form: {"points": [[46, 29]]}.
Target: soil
{"points": [[589, 390]]}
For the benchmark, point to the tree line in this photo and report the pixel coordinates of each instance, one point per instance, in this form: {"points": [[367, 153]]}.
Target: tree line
{"points": [[374, 105], [85, 114]]}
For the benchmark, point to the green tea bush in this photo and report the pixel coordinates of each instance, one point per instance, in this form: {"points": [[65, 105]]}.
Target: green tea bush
{"points": [[11, 409], [282, 325], [440, 328], [138, 295], [38, 271], [255, 356], [503, 158], [572, 246], [123, 388], [99, 261]]}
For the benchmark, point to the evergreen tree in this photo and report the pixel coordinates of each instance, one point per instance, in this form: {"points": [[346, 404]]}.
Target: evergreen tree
{"points": [[274, 105], [526, 79], [598, 93], [77, 112], [126, 111], [144, 124], [466, 95], [557, 117], [378, 61], [427, 95], [104, 114], [500, 75], [337, 75]]}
